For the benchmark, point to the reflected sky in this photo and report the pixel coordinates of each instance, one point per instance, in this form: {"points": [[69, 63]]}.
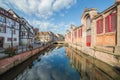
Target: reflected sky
{"points": [[52, 65]]}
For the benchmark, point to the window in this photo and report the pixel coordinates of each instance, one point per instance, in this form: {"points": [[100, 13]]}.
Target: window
{"points": [[69, 35], [9, 39], [110, 22], [15, 39], [114, 21], [2, 19], [14, 31], [2, 28], [17, 25], [99, 26], [79, 32], [11, 22], [23, 33], [88, 22], [8, 21], [88, 40], [75, 33]]}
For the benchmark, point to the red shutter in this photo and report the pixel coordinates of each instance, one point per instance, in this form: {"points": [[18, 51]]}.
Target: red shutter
{"points": [[88, 40], [81, 32], [109, 24], [113, 21], [106, 24], [75, 33], [97, 29], [99, 26]]}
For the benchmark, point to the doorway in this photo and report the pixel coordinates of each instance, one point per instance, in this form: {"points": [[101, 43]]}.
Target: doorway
{"points": [[1, 42]]}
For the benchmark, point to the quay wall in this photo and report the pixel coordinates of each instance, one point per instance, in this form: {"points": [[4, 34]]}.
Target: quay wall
{"points": [[10, 62], [102, 55]]}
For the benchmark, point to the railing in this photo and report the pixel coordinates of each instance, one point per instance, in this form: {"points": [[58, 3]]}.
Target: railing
{"points": [[24, 48]]}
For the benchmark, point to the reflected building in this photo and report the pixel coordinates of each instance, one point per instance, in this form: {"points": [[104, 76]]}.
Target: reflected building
{"points": [[90, 68]]}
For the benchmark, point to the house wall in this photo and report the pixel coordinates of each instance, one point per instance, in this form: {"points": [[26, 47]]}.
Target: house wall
{"points": [[105, 38], [7, 24]]}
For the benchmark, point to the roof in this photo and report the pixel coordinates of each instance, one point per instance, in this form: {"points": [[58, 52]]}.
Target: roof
{"points": [[12, 12], [105, 11], [44, 33], [7, 14], [87, 10]]}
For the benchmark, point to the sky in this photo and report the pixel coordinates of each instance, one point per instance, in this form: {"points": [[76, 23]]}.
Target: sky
{"points": [[54, 15]]}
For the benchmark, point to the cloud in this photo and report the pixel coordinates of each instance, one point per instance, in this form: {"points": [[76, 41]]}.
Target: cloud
{"points": [[40, 8], [62, 15], [51, 26], [61, 4], [4, 4], [51, 67]]}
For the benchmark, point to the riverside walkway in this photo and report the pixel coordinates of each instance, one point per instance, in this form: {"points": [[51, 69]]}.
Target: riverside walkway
{"points": [[24, 54]]}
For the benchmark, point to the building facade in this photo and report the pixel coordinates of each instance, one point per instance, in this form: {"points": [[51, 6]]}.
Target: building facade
{"points": [[36, 37], [99, 34], [59, 37], [98, 29], [9, 29], [26, 36], [44, 37]]}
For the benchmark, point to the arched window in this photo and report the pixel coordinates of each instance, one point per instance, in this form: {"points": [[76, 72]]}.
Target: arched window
{"points": [[88, 22], [88, 36]]}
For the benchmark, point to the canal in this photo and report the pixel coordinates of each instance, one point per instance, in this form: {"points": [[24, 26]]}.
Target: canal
{"points": [[62, 63]]}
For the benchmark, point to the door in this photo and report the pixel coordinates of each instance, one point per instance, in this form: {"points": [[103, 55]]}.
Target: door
{"points": [[88, 41], [88, 31], [1, 42]]}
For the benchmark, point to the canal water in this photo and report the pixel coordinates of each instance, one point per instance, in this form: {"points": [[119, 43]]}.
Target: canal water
{"points": [[62, 63]]}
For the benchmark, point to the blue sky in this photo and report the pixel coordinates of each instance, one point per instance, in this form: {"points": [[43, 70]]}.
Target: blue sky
{"points": [[54, 15]]}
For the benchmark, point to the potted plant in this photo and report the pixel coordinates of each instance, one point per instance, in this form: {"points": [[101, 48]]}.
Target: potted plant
{"points": [[11, 51], [30, 47]]}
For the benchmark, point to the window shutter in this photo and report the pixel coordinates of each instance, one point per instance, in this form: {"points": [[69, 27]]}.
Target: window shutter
{"points": [[81, 32], [106, 24], [109, 24], [113, 21], [99, 26]]}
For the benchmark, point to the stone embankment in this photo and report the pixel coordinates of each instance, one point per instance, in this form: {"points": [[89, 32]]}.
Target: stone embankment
{"points": [[102, 55], [10, 62]]}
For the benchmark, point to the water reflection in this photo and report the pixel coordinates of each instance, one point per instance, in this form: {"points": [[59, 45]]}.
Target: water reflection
{"points": [[90, 68], [51, 64], [59, 63]]}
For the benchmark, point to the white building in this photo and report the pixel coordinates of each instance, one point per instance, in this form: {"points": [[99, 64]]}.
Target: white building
{"points": [[26, 33], [9, 29]]}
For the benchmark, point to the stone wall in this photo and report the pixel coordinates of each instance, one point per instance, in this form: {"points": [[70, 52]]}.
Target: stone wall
{"points": [[10, 62]]}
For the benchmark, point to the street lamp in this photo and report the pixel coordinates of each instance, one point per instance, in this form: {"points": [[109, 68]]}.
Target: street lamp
{"points": [[12, 28]]}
